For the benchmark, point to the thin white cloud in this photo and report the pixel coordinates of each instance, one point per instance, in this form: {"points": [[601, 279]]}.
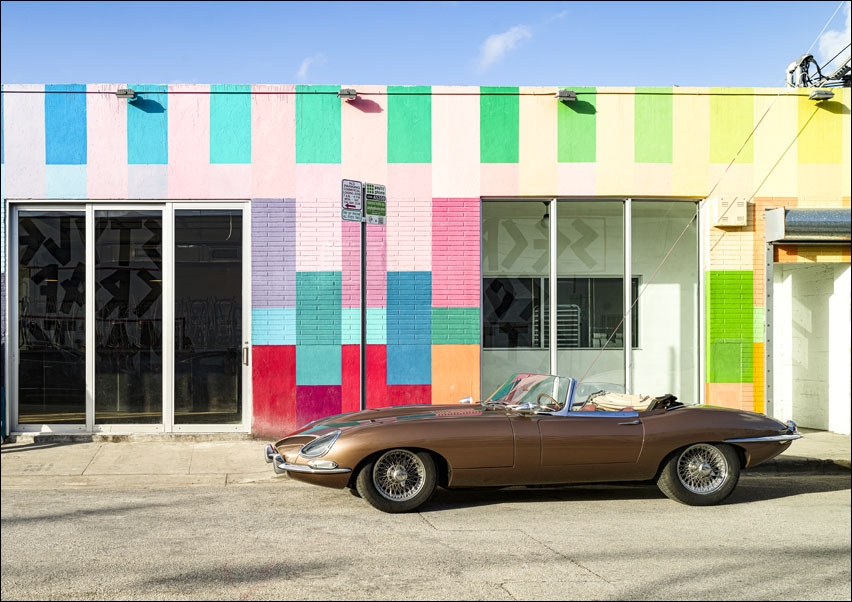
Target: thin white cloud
{"points": [[317, 59], [556, 17], [498, 45], [833, 42]]}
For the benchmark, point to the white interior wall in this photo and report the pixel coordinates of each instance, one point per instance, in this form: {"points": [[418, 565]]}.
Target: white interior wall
{"points": [[811, 345]]}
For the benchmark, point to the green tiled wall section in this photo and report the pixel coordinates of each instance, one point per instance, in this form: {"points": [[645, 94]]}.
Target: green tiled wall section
{"points": [[455, 325], [730, 326]]}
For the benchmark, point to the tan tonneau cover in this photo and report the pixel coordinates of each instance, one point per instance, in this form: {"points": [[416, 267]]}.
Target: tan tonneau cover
{"points": [[616, 402]]}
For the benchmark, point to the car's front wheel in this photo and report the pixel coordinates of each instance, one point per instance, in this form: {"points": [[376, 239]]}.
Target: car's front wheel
{"points": [[700, 475], [398, 480]]}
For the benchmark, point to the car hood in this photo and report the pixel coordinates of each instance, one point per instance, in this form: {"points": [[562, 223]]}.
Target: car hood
{"points": [[388, 414]]}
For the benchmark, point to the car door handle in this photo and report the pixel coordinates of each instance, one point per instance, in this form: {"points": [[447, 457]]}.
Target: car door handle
{"points": [[631, 422]]}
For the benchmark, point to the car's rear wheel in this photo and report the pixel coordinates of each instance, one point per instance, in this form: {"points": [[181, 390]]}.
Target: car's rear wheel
{"points": [[700, 475], [398, 480]]}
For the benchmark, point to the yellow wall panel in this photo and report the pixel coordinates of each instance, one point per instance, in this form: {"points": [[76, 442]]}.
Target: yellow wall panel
{"points": [[775, 143], [615, 142], [690, 146], [537, 145], [820, 129]]}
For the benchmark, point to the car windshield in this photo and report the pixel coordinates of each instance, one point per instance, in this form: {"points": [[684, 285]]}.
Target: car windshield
{"points": [[538, 390]]}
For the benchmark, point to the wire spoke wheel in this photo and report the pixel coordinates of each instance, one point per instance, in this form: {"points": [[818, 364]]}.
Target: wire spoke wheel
{"points": [[398, 480], [701, 474], [702, 469], [399, 475]]}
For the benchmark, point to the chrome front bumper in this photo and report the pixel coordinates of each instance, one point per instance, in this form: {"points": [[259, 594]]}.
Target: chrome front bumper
{"points": [[280, 466]]}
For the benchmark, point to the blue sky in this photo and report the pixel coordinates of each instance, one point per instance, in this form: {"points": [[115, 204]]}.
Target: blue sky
{"points": [[747, 44]]}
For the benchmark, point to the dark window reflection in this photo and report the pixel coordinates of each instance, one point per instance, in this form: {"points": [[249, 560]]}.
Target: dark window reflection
{"points": [[589, 313], [208, 316], [128, 317], [51, 311]]}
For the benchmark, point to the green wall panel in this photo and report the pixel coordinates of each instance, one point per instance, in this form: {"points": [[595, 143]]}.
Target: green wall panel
{"points": [[409, 124], [576, 124], [319, 317], [730, 326], [455, 326], [318, 133], [652, 128], [499, 133], [731, 125]]}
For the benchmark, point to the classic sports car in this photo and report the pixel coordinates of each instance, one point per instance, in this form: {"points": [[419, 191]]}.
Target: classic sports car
{"points": [[536, 429]]}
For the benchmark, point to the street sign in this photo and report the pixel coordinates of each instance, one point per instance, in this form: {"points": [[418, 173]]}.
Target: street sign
{"points": [[351, 195], [375, 197], [351, 215]]}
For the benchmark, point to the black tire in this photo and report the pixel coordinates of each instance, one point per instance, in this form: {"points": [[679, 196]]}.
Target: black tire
{"points": [[703, 474], [398, 480]]}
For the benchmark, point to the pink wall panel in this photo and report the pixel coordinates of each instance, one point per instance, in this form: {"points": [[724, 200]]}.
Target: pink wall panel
{"points": [[273, 390], [499, 179], [318, 218], [377, 265], [455, 252], [23, 144], [316, 401], [189, 140], [576, 179], [228, 182], [409, 210], [351, 264], [106, 135], [273, 150]]}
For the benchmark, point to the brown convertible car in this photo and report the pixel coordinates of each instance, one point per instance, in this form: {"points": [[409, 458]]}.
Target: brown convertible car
{"points": [[536, 429]]}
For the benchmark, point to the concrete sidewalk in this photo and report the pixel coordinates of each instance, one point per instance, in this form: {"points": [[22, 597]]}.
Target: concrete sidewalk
{"points": [[48, 460]]}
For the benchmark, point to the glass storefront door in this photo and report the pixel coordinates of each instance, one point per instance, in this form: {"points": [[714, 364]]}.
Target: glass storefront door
{"points": [[129, 317]]}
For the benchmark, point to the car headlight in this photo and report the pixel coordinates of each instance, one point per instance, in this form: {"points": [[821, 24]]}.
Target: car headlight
{"points": [[319, 446]]}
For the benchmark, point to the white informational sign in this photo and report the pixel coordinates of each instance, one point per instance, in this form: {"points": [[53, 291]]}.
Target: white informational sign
{"points": [[351, 195]]}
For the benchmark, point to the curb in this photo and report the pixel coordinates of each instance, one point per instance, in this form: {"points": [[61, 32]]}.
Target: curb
{"points": [[802, 465]]}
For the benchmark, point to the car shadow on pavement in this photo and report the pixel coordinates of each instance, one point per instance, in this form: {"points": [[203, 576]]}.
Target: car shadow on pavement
{"points": [[749, 490]]}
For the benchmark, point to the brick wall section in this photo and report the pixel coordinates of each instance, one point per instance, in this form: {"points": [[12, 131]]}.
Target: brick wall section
{"points": [[273, 252], [455, 252], [730, 326]]}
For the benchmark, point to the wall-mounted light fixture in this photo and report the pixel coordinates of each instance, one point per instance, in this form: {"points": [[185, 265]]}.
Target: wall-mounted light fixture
{"points": [[545, 219], [125, 93], [566, 95], [821, 94], [347, 94]]}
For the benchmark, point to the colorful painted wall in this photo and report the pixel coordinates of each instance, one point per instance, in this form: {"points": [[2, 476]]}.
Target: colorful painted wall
{"points": [[438, 150]]}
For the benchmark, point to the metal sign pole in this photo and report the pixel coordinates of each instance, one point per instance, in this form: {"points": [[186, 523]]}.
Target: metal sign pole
{"points": [[363, 303]]}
